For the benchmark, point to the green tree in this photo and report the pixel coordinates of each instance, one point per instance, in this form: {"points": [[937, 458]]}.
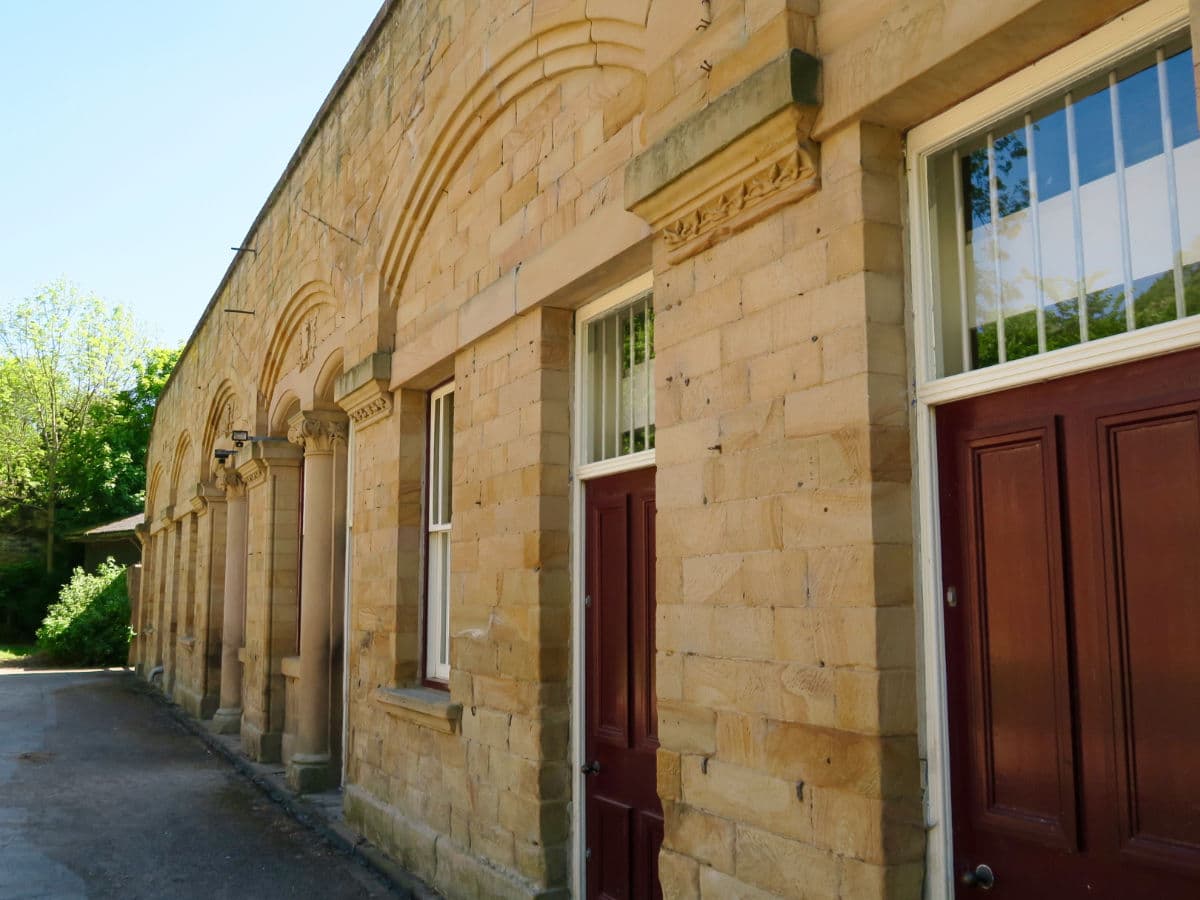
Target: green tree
{"points": [[65, 353], [103, 473]]}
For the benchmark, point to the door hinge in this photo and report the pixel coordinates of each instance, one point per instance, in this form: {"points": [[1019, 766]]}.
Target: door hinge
{"points": [[952, 596], [587, 600], [587, 853]]}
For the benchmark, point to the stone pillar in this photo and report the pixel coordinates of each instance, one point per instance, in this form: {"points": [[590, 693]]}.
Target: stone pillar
{"points": [[228, 717], [310, 767], [210, 616], [784, 516], [271, 470]]}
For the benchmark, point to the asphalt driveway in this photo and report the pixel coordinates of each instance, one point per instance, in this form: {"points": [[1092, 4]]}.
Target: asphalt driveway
{"points": [[103, 794]]}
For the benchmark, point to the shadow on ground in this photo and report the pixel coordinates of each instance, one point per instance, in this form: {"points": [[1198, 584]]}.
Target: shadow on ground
{"points": [[104, 794]]}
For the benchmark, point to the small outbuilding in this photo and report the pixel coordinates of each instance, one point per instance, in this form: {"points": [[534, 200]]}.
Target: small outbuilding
{"points": [[116, 539]]}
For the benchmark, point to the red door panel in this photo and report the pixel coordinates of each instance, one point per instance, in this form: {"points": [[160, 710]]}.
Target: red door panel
{"points": [[1150, 482], [1021, 703], [624, 814], [1071, 547]]}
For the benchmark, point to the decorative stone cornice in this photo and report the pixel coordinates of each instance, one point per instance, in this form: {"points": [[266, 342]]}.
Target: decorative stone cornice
{"points": [[231, 482], [372, 410], [726, 212], [256, 458], [317, 432], [252, 473], [198, 499], [363, 390], [165, 517], [732, 163]]}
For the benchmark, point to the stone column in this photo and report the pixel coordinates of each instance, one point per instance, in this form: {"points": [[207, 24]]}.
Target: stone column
{"points": [[310, 767], [228, 717]]}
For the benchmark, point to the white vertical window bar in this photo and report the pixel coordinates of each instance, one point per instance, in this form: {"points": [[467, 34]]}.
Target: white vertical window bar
{"points": [[632, 400], [994, 200], [616, 327], [439, 524], [1168, 136], [1035, 219], [961, 230], [1122, 200], [589, 379], [646, 369], [1073, 168], [602, 328]]}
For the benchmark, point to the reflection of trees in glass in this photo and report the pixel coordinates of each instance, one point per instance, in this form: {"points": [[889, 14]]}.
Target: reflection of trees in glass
{"points": [[637, 328], [1154, 304], [1012, 179], [641, 326], [1016, 284]]}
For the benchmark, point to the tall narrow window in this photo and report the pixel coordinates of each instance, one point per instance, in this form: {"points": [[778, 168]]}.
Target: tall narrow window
{"points": [[437, 547], [619, 382], [1071, 220]]}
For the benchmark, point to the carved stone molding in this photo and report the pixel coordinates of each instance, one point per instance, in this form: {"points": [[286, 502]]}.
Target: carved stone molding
{"points": [[253, 473], [794, 175], [734, 162], [363, 390], [371, 410], [231, 482], [317, 432]]}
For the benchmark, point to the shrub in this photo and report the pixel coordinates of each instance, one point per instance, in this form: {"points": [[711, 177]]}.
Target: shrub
{"points": [[26, 592], [89, 625]]}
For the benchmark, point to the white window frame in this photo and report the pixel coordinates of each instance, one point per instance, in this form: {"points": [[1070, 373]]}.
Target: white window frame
{"points": [[347, 582], [440, 455], [582, 472], [1138, 30]]}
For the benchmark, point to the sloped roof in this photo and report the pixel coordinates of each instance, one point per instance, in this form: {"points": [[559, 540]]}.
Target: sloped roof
{"points": [[119, 528]]}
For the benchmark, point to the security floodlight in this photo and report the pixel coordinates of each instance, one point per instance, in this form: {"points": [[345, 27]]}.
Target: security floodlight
{"points": [[240, 437], [222, 455]]}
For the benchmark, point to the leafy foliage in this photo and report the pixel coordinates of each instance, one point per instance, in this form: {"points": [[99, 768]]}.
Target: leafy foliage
{"points": [[104, 465], [26, 589], [78, 388], [89, 625]]}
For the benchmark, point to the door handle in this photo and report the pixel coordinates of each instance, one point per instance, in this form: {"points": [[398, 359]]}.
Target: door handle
{"points": [[981, 877], [592, 768]]}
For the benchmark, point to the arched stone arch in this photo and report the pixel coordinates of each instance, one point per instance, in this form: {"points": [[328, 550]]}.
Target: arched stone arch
{"points": [[331, 368], [152, 494], [284, 407], [223, 416], [182, 466], [307, 319], [540, 57]]}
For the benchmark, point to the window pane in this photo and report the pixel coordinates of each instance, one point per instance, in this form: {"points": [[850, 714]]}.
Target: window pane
{"points": [[619, 382], [1062, 203]]}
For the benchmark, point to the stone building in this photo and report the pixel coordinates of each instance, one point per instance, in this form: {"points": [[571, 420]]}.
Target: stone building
{"points": [[724, 446]]}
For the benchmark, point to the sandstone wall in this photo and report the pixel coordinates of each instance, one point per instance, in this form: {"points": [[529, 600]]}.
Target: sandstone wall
{"points": [[471, 182]]}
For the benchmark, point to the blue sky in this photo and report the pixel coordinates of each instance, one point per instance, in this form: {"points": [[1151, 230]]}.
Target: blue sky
{"points": [[140, 139]]}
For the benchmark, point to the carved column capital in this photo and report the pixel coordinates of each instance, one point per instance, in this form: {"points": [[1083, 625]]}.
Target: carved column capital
{"points": [[317, 432], [232, 483]]}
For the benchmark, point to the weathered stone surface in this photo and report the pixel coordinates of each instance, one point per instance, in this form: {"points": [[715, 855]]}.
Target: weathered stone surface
{"points": [[465, 189]]}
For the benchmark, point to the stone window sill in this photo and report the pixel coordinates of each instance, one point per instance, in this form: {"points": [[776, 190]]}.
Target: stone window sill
{"points": [[290, 666], [422, 706]]}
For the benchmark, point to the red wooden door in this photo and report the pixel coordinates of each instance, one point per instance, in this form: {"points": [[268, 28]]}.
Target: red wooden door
{"points": [[624, 814], [1071, 552]]}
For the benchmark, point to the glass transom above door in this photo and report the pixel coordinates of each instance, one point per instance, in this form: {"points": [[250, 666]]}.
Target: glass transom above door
{"points": [[1073, 221], [618, 382]]}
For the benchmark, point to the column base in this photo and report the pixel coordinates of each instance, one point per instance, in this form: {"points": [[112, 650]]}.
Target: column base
{"points": [[227, 721], [308, 773]]}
